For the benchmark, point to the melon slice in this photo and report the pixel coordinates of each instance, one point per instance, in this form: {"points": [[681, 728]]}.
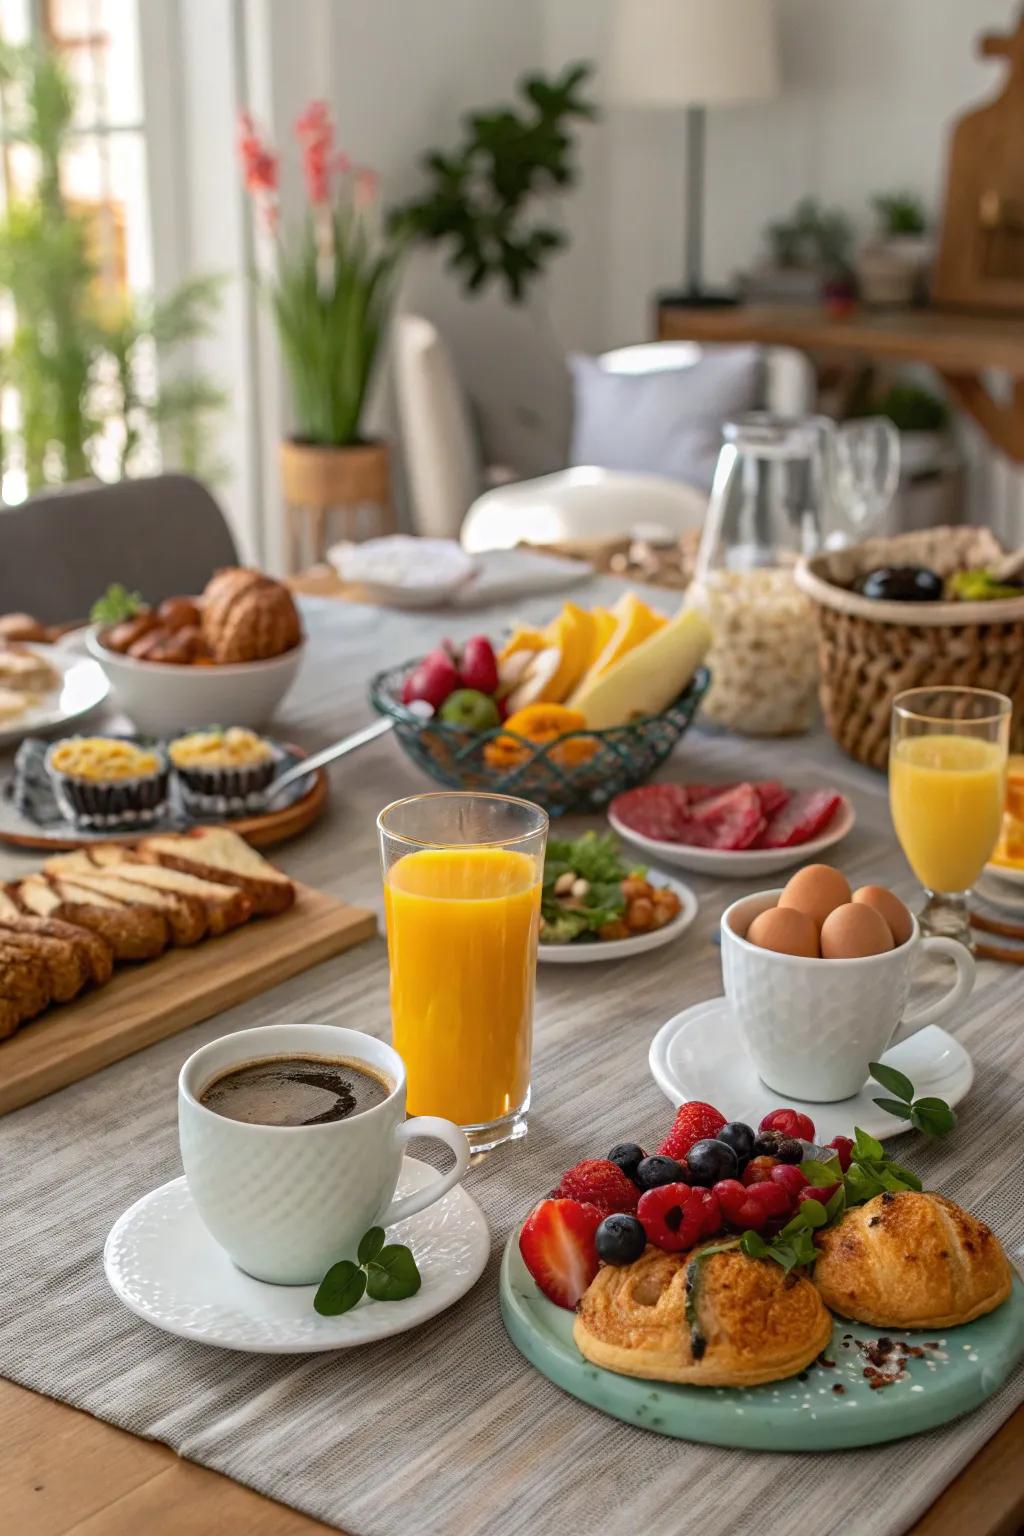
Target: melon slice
{"points": [[634, 622], [572, 634], [647, 678]]}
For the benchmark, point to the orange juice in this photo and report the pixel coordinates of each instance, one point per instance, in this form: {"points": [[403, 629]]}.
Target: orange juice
{"points": [[462, 943], [946, 794]]}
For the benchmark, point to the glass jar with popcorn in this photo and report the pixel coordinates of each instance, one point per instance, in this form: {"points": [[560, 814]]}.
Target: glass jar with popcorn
{"points": [[782, 487]]}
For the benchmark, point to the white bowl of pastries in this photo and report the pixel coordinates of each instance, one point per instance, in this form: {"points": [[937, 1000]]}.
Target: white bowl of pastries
{"points": [[229, 655]]}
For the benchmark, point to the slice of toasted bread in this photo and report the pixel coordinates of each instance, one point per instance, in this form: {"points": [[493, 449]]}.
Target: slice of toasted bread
{"points": [[96, 952], [133, 933], [185, 915], [217, 853], [225, 905], [24, 986], [67, 967]]}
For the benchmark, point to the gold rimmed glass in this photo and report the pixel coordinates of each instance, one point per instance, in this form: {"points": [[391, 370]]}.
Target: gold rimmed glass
{"points": [[947, 789]]}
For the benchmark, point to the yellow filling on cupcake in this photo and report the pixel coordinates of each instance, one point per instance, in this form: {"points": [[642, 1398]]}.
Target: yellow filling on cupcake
{"points": [[233, 748], [102, 759]]}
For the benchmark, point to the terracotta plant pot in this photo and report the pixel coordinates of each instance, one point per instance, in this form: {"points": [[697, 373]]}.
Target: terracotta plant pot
{"points": [[318, 480]]}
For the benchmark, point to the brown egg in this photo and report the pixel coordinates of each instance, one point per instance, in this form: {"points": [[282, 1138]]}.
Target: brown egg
{"points": [[900, 922], [817, 889], [786, 931], [853, 931]]}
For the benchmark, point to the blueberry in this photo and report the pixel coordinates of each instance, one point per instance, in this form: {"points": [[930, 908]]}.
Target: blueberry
{"points": [[766, 1143], [653, 1171], [620, 1239], [741, 1138], [627, 1156], [790, 1150], [710, 1160]]}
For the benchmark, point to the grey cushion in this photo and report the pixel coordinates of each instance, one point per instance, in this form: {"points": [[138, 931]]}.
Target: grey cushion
{"points": [[665, 423]]}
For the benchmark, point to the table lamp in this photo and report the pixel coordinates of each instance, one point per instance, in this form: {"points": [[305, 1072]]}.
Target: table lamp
{"points": [[693, 54]]}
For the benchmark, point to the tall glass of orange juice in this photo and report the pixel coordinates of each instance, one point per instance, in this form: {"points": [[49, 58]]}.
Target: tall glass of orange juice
{"points": [[947, 787], [462, 883]]}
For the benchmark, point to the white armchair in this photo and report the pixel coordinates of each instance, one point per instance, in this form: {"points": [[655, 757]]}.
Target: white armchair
{"points": [[454, 494]]}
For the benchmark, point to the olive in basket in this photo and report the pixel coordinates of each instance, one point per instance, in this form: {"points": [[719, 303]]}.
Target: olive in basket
{"points": [[901, 584]]}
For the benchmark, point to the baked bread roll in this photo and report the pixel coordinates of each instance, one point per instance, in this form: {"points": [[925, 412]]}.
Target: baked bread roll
{"points": [[911, 1261], [753, 1323], [248, 616]]}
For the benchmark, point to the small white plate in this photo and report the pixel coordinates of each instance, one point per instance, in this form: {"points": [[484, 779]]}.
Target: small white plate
{"points": [[701, 1054], [621, 949], [1006, 894], [401, 572], [1003, 872], [83, 684], [166, 1268], [744, 861]]}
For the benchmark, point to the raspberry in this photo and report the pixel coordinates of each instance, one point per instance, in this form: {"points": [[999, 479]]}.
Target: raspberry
{"points": [[672, 1216], [712, 1222], [597, 1181], [843, 1148], [694, 1122], [790, 1122], [791, 1179], [759, 1170], [756, 1205]]}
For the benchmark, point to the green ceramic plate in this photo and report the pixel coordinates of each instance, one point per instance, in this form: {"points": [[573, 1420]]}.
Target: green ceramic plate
{"points": [[803, 1413]]}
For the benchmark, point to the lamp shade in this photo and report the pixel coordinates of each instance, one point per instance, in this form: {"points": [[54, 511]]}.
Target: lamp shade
{"points": [[677, 53]]}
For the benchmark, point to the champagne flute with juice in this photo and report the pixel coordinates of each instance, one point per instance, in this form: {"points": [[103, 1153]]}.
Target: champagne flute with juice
{"points": [[947, 786], [462, 883]]}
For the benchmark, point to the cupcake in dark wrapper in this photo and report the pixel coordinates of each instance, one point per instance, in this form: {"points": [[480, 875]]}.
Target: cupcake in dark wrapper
{"points": [[223, 773], [104, 782]]}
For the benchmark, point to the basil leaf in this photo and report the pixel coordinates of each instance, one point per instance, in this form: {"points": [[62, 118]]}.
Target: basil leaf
{"points": [[896, 1082], [392, 1276], [933, 1116], [866, 1146], [908, 1176], [836, 1204], [814, 1213], [821, 1175], [340, 1289], [370, 1245]]}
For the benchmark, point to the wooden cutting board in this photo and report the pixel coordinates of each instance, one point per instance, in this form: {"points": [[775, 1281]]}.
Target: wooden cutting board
{"points": [[145, 1003]]}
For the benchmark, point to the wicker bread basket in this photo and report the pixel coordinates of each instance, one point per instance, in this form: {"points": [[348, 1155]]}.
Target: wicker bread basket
{"points": [[868, 651]]}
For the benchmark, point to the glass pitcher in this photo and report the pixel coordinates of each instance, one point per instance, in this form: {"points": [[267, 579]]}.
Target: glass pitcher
{"points": [[782, 488]]}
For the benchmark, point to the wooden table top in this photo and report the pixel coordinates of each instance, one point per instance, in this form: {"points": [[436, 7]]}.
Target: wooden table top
{"points": [[64, 1472], [948, 341]]}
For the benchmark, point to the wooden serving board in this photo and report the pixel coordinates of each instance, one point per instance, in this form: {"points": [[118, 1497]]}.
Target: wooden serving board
{"points": [[145, 1003]]}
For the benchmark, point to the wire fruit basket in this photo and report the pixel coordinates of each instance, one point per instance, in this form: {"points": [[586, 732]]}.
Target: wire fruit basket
{"points": [[580, 771]]}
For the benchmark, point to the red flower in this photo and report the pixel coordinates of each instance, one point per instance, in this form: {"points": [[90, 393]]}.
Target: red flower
{"points": [[366, 187], [259, 163], [315, 133]]}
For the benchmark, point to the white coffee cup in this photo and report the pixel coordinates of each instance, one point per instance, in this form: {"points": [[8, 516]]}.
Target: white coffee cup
{"points": [[813, 1026], [287, 1202]]}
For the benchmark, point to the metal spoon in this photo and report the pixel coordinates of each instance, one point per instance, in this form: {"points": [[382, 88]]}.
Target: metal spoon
{"points": [[339, 749]]}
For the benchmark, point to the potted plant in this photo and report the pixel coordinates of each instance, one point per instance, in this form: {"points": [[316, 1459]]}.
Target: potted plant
{"points": [[891, 267], [808, 256], [329, 286]]}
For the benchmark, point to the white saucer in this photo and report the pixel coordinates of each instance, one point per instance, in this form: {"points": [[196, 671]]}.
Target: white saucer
{"points": [[743, 861], [621, 949], [166, 1268], [700, 1054], [1004, 872], [1000, 888]]}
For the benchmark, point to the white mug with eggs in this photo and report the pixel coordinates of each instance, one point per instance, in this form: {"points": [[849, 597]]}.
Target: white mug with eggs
{"points": [[814, 1024]]}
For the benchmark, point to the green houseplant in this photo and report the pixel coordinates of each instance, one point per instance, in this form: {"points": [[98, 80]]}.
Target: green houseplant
{"points": [[85, 362], [329, 287], [482, 196]]}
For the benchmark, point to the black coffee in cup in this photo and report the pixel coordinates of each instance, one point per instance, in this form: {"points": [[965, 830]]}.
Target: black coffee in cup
{"points": [[295, 1090]]}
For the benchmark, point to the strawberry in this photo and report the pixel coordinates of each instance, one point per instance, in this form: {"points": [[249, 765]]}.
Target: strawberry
{"points": [[479, 667], [694, 1122], [557, 1245], [790, 1122], [842, 1146], [598, 1181]]}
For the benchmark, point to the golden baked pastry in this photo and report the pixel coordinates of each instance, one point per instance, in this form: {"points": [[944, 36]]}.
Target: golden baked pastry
{"points": [[911, 1261], [102, 759], [248, 616], [753, 1322], [233, 748], [26, 671], [22, 626], [12, 704]]}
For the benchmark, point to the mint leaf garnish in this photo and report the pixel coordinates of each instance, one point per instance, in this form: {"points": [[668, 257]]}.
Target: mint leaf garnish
{"points": [[932, 1116], [393, 1275], [340, 1289], [896, 1082]]}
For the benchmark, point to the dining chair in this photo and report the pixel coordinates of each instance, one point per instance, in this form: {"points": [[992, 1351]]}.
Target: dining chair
{"points": [[62, 549]]}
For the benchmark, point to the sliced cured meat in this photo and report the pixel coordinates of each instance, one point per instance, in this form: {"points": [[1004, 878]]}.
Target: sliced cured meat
{"points": [[653, 810], [695, 793], [806, 815], [772, 794], [729, 821]]}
